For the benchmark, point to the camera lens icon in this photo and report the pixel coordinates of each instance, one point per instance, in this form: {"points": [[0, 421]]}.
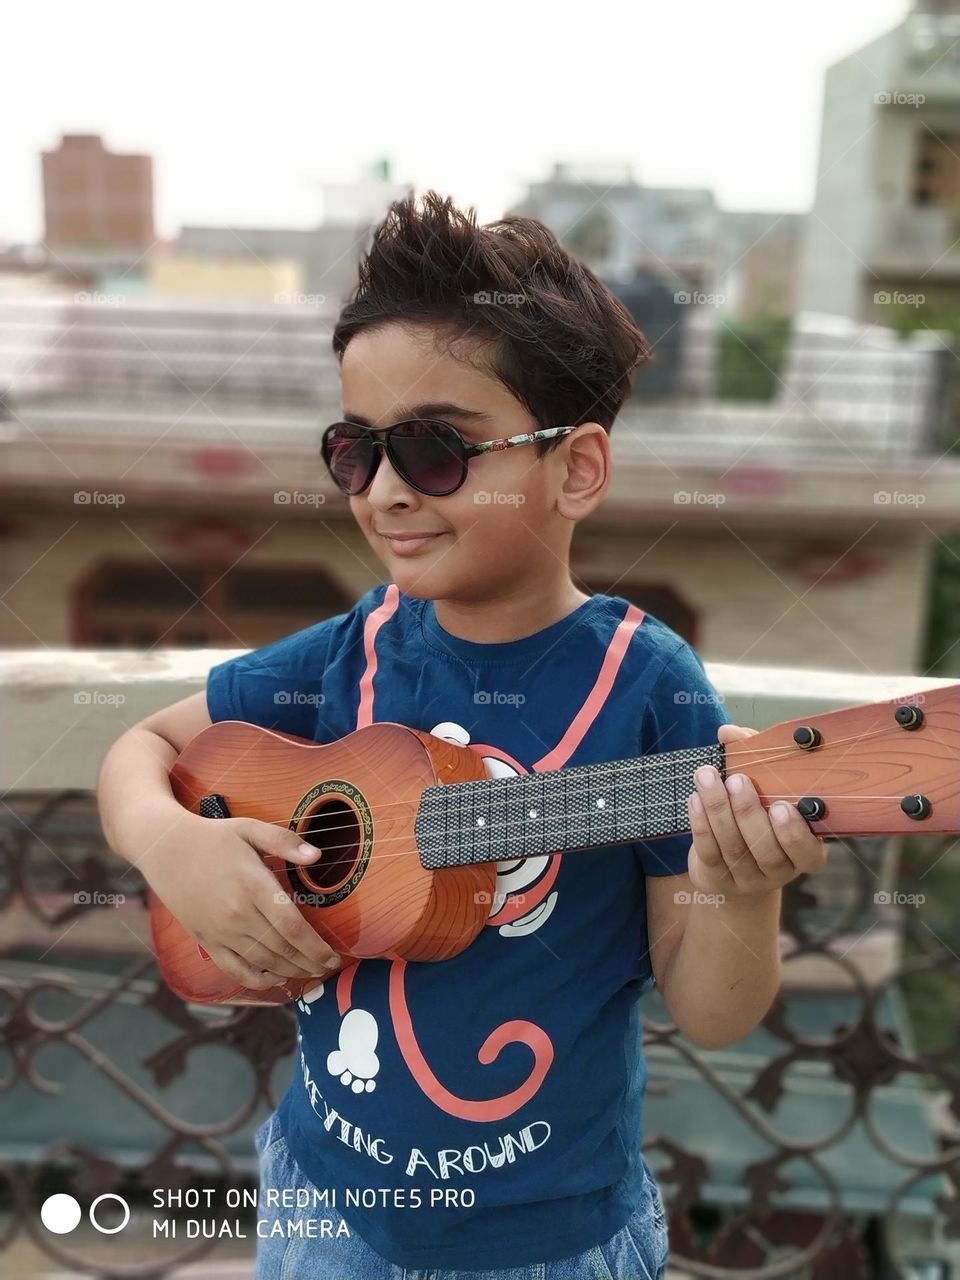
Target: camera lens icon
{"points": [[61, 1213]]}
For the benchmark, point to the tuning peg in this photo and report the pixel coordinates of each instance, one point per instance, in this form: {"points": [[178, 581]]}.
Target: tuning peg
{"points": [[915, 806], [811, 807], [908, 716]]}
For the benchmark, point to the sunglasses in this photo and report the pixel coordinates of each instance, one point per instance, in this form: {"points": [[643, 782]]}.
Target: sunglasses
{"points": [[430, 455]]}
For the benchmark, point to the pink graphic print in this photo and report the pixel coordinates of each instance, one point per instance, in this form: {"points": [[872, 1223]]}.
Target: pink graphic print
{"points": [[524, 899]]}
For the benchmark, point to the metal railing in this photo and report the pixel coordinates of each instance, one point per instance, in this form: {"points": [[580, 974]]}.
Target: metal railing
{"points": [[147, 368], [107, 1082]]}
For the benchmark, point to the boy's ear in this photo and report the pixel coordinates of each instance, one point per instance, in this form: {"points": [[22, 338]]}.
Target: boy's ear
{"points": [[588, 471]]}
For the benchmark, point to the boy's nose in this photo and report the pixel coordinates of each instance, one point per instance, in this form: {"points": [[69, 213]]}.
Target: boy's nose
{"points": [[386, 483]]}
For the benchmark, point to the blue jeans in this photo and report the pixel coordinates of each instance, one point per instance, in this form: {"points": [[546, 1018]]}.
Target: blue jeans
{"points": [[638, 1251]]}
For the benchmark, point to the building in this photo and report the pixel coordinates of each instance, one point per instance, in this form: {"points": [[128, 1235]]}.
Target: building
{"points": [[619, 227], [885, 226], [239, 276], [162, 486], [363, 200], [759, 263], [327, 255], [95, 199]]}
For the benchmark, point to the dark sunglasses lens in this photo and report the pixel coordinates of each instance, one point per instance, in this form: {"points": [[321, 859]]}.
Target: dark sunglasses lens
{"points": [[348, 453], [429, 455]]}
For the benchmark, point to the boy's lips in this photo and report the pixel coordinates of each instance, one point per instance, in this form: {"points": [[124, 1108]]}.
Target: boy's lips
{"points": [[409, 544]]}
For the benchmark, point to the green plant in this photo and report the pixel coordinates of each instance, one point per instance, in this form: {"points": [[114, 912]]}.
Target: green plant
{"points": [[750, 358]]}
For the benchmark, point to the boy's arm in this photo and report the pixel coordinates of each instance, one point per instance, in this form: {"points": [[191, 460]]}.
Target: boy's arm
{"points": [[715, 931], [717, 964], [137, 768], [208, 872]]}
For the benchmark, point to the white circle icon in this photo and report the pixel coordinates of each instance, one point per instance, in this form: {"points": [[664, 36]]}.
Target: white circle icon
{"points": [[60, 1213], [110, 1231]]}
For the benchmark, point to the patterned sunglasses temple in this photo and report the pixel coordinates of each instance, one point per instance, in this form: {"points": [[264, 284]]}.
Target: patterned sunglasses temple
{"points": [[493, 446]]}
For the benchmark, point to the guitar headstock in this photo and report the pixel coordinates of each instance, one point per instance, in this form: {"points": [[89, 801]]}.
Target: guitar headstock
{"points": [[878, 769]]}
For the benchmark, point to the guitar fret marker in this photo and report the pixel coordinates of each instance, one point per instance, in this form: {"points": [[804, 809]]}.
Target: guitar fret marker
{"points": [[559, 809]]}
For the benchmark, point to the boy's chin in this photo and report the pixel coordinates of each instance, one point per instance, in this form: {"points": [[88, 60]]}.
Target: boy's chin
{"points": [[412, 578], [418, 586]]}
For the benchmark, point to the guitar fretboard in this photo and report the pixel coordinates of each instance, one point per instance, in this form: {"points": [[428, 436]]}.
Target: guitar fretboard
{"points": [[584, 807]]}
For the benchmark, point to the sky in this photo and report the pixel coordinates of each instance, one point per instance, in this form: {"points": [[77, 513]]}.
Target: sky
{"points": [[249, 108]]}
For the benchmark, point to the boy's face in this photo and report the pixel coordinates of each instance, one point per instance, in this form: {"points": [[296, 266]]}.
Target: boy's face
{"points": [[498, 531]]}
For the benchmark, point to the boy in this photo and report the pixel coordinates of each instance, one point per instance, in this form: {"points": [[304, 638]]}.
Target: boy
{"points": [[483, 1112]]}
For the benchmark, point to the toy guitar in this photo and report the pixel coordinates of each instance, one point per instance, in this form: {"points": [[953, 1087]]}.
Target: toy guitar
{"points": [[409, 829]]}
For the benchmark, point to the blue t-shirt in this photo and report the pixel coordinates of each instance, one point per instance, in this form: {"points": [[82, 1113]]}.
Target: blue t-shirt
{"points": [[512, 1074]]}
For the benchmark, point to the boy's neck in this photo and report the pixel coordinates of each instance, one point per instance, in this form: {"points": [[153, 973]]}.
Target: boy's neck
{"points": [[513, 618]]}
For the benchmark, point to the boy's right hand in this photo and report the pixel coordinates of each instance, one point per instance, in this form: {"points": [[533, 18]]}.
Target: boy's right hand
{"points": [[211, 876]]}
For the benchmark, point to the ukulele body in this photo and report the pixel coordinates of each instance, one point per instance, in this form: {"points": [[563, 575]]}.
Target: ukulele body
{"points": [[882, 768], [356, 800]]}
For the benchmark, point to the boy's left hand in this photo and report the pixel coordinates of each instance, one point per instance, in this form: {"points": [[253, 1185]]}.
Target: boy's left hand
{"points": [[738, 851]]}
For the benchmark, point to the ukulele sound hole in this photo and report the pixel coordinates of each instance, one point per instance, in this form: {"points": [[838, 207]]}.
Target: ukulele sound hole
{"points": [[334, 830]]}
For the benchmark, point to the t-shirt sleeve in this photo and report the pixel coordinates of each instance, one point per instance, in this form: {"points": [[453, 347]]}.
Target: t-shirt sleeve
{"points": [[684, 710], [279, 686]]}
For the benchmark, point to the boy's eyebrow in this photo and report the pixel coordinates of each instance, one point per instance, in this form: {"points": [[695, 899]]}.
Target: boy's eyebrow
{"points": [[430, 409]]}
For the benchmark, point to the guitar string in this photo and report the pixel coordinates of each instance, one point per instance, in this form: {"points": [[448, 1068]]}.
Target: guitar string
{"points": [[627, 810], [513, 826], [604, 769]]}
